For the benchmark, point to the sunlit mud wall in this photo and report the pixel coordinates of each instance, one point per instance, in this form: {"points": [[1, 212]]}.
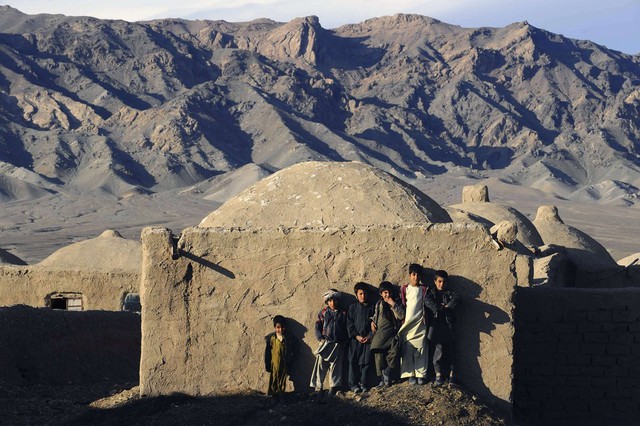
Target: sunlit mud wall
{"points": [[34, 285], [205, 313]]}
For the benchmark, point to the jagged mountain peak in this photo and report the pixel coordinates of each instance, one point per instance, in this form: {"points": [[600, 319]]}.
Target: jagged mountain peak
{"points": [[311, 20], [8, 9], [297, 39]]}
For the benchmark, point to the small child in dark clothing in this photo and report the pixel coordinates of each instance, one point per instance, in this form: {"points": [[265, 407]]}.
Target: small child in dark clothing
{"points": [[278, 356], [387, 318], [331, 332], [442, 302], [360, 333]]}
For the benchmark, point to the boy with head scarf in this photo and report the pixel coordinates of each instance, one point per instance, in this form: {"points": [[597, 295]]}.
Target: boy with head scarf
{"points": [[331, 332]]}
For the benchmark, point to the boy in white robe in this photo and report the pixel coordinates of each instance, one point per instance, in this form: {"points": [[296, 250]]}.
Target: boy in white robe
{"points": [[413, 333]]}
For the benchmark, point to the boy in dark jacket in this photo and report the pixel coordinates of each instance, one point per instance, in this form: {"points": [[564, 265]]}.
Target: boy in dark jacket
{"points": [[360, 333], [278, 356], [387, 318], [442, 302], [331, 331]]}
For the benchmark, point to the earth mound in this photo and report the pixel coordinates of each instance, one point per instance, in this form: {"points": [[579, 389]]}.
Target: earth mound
{"points": [[327, 194], [584, 251], [476, 206], [108, 252]]}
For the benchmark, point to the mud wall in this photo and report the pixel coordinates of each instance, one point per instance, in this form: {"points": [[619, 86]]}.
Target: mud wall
{"points": [[577, 356], [42, 346], [205, 313], [31, 285]]}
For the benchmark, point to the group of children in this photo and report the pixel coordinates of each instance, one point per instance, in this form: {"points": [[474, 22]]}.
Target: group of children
{"points": [[396, 334]]}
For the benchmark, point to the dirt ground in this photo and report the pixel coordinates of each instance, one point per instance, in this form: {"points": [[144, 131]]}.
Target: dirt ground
{"points": [[105, 404]]}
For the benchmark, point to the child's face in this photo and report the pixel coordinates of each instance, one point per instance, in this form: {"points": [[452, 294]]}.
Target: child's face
{"points": [[332, 304], [414, 278], [361, 295], [279, 328], [439, 282], [385, 294]]}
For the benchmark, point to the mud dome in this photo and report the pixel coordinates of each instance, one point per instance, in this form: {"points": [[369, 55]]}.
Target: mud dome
{"points": [[320, 194], [584, 251], [476, 206]]}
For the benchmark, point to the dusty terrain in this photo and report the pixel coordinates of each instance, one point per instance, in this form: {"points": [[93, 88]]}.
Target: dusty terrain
{"points": [[34, 229], [106, 404]]}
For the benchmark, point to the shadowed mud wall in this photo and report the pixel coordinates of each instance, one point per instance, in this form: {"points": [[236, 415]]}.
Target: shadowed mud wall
{"points": [[42, 346], [205, 314], [577, 356], [31, 285]]}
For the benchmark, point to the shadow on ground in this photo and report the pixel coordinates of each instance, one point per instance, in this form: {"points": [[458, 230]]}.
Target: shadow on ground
{"points": [[109, 404], [251, 409]]}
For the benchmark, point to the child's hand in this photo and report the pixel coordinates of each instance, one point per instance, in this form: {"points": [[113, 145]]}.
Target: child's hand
{"points": [[389, 300], [373, 326]]}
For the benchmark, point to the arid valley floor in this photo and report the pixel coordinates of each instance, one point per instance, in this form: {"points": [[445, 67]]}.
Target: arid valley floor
{"points": [[33, 229]]}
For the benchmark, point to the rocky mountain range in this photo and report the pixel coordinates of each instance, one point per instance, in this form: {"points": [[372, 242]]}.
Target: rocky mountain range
{"points": [[125, 108], [111, 124], [117, 107]]}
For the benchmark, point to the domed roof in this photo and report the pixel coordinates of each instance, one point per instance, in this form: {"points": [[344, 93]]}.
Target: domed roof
{"points": [[476, 202], [584, 251], [108, 252], [7, 258], [327, 194]]}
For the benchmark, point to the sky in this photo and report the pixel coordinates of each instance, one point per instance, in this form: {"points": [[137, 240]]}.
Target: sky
{"points": [[613, 23]]}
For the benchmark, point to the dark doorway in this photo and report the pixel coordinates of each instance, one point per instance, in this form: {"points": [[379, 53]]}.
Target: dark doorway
{"points": [[66, 302], [58, 303]]}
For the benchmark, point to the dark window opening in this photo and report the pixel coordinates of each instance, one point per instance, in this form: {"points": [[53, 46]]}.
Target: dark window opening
{"points": [[71, 302], [132, 303], [58, 303]]}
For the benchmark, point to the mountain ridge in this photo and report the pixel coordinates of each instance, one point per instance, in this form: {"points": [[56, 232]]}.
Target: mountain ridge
{"points": [[90, 104]]}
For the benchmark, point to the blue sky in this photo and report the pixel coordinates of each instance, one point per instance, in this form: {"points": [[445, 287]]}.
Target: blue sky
{"points": [[613, 23]]}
